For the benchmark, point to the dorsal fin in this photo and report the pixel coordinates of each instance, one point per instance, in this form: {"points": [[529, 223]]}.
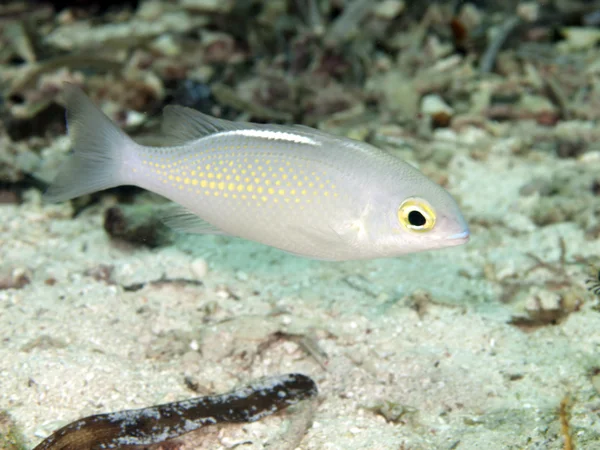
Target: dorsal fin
{"points": [[311, 131], [183, 124]]}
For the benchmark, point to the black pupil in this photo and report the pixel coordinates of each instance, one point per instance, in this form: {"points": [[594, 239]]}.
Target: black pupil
{"points": [[416, 219]]}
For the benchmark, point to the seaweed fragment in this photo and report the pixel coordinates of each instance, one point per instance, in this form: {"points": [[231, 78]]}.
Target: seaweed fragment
{"points": [[565, 428], [307, 343], [550, 301], [10, 436], [157, 424]]}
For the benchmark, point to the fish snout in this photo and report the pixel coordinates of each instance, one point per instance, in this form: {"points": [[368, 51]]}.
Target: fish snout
{"points": [[454, 231]]}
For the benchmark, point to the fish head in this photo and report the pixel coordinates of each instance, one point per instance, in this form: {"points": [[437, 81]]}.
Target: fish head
{"points": [[424, 217]]}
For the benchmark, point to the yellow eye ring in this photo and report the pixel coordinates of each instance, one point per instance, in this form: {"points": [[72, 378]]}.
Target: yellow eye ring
{"points": [[415, 214]]}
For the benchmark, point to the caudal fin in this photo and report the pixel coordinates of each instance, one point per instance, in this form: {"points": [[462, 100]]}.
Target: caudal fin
{"points": [[99, 149]]}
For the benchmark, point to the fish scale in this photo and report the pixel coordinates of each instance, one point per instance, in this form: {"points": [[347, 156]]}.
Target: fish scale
{"points": [[257, 178], [259, 188], [295, 188]]}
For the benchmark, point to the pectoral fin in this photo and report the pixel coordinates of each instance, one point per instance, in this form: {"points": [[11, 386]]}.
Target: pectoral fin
{"points": [[183, 220]]}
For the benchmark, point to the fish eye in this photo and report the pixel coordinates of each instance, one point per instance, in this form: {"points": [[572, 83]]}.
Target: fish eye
{"points": [[416, 214]]}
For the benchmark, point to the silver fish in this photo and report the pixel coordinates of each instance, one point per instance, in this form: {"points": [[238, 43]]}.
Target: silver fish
{"points": [[295, 188]]}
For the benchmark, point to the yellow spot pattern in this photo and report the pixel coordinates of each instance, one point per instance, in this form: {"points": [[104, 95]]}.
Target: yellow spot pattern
{"points": [[267, 178]]}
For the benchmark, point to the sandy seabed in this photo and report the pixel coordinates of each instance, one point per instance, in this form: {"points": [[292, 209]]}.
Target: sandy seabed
{"points": [[419, 350]]}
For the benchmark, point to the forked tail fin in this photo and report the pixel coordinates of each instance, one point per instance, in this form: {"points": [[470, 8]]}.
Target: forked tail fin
{"points": [[99, 145]]}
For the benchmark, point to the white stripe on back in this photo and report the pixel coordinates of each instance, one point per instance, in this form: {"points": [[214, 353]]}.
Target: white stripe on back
{"points": [[274, 135]]}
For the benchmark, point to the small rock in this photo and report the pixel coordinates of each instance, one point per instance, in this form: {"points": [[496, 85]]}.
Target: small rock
{"points": [[218, 46], [470, 16], [579, 38], [134, 119], [536, 104], [241, 276], [191, 358], [434, 104], [16, 278], [80, 35], [398, 93], [358, 133], [9, 197], [208, 6], [528, 11], [151, 10], [543, 301], [199, 267], [166, 45], [437, 110], [389, 9]]}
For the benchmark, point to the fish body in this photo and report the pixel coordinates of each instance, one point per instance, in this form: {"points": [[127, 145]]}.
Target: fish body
{"points": [[295, 188]]}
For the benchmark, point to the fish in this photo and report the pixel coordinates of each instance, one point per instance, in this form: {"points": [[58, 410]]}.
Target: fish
{"points": [[295, 188], [160, 423]]}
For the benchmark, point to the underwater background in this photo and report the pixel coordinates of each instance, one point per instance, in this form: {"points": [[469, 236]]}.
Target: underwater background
{"points": [[490, 345]]}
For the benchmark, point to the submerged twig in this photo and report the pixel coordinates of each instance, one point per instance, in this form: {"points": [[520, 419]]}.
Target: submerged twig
{"points": [[557, 269], [557, 91], [161, 281], [565, 428], [347, 23], [307, 343], [72, 61], [489, 57], [312, 15]]}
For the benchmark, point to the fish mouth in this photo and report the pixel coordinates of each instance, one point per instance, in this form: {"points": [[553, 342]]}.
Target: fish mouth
{"points": [[458, 238]]}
